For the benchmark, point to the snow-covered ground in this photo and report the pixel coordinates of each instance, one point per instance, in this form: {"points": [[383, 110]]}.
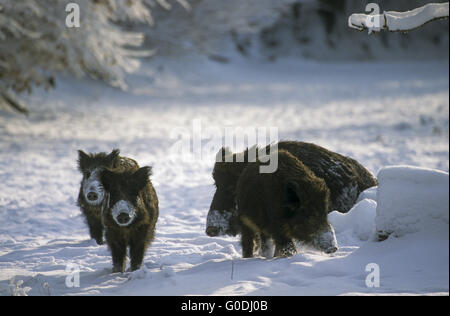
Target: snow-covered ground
{"points": [[379, 113]]}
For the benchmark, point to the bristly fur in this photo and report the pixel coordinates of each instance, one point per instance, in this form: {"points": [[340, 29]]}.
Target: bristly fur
{"points": [[91, 160], [135, 188], [288, 205], [226, 175], [344, 176], [95, 162]]}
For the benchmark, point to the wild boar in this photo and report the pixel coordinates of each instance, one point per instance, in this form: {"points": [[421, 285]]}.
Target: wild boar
{"points": [[344, 176], [91, 194], [129, 212], [286, 206]]}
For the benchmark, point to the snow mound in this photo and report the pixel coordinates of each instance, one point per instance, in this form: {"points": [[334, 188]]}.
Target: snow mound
{"points": [[370, 193], [359, 222], [411, 199]]}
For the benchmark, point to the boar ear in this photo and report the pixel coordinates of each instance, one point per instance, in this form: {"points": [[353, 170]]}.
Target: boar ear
{"points": [[113, 158], [107, 178], [82, 158], [292, 199], [140, 179]]}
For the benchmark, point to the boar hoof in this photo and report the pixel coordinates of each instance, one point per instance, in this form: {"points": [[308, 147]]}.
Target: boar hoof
{"points": [[285, 251], [331, 250]]}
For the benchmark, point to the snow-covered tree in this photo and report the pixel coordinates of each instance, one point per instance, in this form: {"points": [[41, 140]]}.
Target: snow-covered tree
{"points": [[204, 25], [35, 43]]}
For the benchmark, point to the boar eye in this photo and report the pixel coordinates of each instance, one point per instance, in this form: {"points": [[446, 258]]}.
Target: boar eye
{"points": [[87, 174]]}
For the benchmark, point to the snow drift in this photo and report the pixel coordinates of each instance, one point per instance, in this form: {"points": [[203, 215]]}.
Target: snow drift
{"points": [[411, 199], [359, 222], [408, 200]]}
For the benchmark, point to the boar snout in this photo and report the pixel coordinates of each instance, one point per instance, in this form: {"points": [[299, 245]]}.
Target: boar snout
{"points": [[123, 213], [93, 192], [218, 222], [326, 240], [123, 218], [92, 196]]}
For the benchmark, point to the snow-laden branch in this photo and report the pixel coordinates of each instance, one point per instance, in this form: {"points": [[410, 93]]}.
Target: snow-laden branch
{"points": [[204, 28], [399, 21]]}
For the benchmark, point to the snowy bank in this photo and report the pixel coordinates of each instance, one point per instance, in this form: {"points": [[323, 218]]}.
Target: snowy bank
{"points": [[408, 200], [411, 199]]}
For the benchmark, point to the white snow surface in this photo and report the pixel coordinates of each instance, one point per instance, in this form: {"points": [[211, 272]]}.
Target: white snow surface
{"points": [[379, 113]]}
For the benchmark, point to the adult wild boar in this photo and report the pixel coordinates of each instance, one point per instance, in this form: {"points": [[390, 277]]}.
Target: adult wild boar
{"points": [[286, 206], [344, 176], [91, 193], [130, 213]]}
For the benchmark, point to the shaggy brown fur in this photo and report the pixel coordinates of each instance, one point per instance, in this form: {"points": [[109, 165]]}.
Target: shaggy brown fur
{"points": [[344, 176], [89, 165], [287, 205], [136, 189]]}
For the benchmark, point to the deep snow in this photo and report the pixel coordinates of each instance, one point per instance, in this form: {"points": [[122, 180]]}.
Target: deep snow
{"points": [[379, 113]]}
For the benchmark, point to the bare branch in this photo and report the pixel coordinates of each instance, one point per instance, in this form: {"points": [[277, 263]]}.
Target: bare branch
{"points": [[10, 101]]}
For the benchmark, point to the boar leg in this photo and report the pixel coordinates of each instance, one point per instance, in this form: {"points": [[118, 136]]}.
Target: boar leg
{"points": [[118, 249], [257, 243], [284, 247], [263, 245], [247, 242], [266, 246], [119, 258], [96, 230], [137, 251]]}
